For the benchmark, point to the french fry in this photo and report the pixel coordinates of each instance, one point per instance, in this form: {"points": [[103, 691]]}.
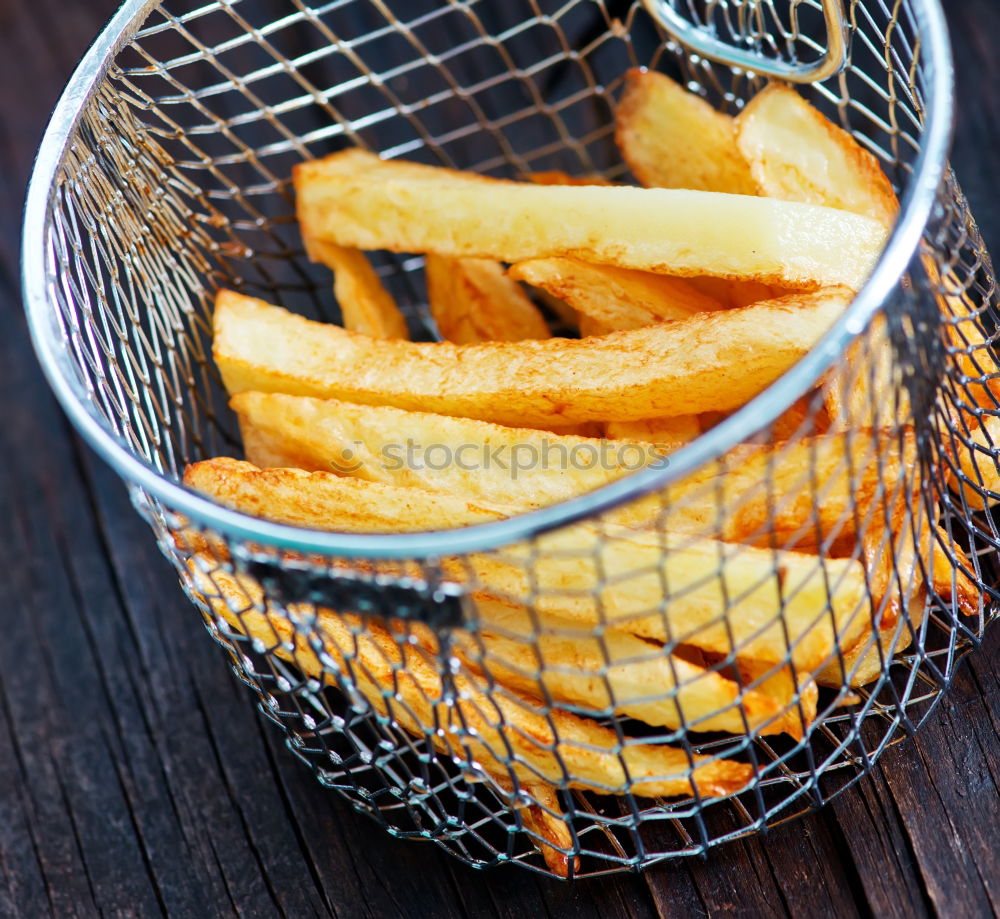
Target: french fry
{"points": [[618, 298], [948, 576], [970, 346], [365, 304], [545, 824], [516, 467], [974, 445], [355, 199], [671, 138], [309, 498], [865, 391], [897, 601], [796, 154], [707, 362], [501, 731], [616, 672], [720, 596], [797, 700], [974, 448], [769, 491], [473, 300]]}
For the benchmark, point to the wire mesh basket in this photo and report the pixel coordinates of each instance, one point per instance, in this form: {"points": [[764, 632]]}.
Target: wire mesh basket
{"points": [[430, 699]]}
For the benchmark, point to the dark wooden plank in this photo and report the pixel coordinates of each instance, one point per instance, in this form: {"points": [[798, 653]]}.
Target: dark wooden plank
{"points": [[875, 844], [136, 776]]}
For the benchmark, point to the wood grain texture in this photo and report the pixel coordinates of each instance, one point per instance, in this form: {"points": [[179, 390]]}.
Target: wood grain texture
{"points": [[136, 777]]}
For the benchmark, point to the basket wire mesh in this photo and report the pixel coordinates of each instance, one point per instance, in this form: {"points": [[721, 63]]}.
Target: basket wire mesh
{"points": [[174, 181]]}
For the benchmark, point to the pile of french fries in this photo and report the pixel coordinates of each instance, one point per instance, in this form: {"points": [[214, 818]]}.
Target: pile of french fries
{"points": [[715, 606]]}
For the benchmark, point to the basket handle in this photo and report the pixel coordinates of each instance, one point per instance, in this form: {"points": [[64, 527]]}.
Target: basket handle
{"points": [[700, 40], [436, 604]]}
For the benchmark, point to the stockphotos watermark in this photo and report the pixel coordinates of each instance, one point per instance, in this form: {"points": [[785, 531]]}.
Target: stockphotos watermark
{"points": [[513, 459]]}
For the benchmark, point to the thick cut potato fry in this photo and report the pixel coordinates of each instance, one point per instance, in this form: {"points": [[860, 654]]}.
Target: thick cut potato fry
{"points": [[517, 467], [489, 730], [776, 683], [897, 605], [799, 703], [615, 673], [546, 824], [905, 603], [618, 298], [974, 355], [666, 433], [802, 492], [671, 138], [366, 306], [708, 362], [473, 300], [715, 590], [970, 347], [948, 577], [796, 154], [592, 574], [974, 448], [305, 498], [355, 199], [866, 391]]}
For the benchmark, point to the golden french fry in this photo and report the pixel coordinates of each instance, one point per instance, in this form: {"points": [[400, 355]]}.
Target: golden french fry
{"points": [[618, 298], [517, 467], [974, 448], [897, 600], [865, 390], [798, 702], [616, 672], [948, 576], [473, 300], [366, 306], [666, 433], [972, 350], [500, 731], [310, 498], [545, 824], [671, 138], [707, 362], [717, 596], [355, 199], [796, 154], [799, 493]]}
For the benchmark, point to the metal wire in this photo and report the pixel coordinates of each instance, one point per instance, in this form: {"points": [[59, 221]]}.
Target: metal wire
{"points": [[166, 176]]}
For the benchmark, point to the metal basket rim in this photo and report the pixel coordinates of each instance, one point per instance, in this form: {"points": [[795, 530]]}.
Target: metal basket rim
{"points": [[50, 345]]}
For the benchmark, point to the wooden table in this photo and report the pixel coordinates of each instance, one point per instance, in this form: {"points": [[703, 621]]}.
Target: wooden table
{"points": [[136, 777]]}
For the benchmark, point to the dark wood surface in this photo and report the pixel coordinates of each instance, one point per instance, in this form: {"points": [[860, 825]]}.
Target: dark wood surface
{"points": [[136, 777]]}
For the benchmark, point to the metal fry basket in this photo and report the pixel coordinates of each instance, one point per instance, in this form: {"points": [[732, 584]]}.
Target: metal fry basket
{"points": [[165, 175]]}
